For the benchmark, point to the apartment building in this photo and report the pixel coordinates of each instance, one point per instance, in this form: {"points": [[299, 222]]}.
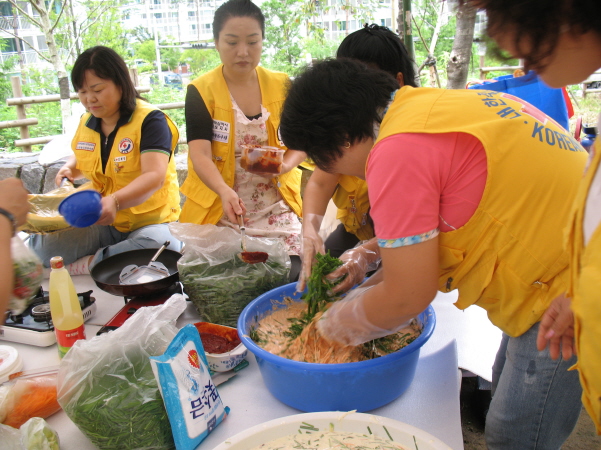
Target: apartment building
{"points": [[13, 23]]}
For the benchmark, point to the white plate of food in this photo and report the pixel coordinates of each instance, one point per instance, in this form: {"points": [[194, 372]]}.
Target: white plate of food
{"points": [[332, 426]]}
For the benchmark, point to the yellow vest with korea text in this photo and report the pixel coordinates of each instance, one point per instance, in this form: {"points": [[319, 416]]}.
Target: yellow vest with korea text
{"points": [[203, 205], [509, 257], [124, 166], [352, 202], [585, 290]]}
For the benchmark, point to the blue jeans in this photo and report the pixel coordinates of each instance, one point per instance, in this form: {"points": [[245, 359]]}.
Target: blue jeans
{"points": [[101, 241], [535, 400]]}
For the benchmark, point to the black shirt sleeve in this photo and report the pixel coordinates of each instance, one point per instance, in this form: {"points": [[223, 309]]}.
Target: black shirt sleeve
{"points": [[156, 134], [199, 123]]}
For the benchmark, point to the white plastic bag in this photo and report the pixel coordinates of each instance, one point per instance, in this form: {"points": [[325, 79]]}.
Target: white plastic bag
{"points": [[107, 387]]}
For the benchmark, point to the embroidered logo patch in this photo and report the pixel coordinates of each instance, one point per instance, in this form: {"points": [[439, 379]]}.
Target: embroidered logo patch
{"points": [[87, 146], [126, 145]]}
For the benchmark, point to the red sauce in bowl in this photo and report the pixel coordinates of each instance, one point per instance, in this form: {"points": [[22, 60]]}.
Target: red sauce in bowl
{"points": [[217, 344]]}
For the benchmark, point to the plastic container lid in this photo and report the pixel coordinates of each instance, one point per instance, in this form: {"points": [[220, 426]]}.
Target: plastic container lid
{"points": [[10, 362]]}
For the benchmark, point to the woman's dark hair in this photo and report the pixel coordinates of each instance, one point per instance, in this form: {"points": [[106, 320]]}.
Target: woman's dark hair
{"points": [[331, 103], [539, 23], [380, 46], [108, 65], [237, 8]]}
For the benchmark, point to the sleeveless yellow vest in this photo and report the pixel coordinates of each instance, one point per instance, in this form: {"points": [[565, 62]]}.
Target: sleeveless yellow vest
{"points": [[352, 202], [124, 166], [509, 257], [585, 290], [202, 205]]}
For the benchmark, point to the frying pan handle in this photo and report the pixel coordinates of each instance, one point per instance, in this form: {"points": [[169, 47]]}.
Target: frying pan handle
{"points": [[159, 251]]}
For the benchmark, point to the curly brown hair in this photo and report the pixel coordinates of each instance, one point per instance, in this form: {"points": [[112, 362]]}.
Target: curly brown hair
{"points": [[538, 24]]}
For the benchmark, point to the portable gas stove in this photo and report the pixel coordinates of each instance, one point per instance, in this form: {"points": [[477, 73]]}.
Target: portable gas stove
{"points": [[34, 326], [132, 304]]}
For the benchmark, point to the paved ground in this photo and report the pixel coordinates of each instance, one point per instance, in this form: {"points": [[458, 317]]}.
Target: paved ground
{"points": [[473, 406]]}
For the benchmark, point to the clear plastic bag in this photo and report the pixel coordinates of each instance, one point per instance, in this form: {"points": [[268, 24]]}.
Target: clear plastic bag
{"points": [[43, 217], [28, 275], [107, 387], [217, 281], [35, 434], [28, 396]]}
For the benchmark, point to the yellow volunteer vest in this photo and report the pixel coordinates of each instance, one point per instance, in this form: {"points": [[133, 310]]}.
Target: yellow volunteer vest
{"points": [[509, 257], [202, 205], [352, 202], [585, 290], [124, 166]]}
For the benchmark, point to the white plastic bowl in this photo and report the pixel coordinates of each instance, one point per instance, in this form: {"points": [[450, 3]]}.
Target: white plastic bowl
{"points": [[401, 433], [222, 362]]}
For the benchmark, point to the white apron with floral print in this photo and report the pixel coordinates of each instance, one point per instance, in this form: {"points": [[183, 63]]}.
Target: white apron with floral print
{"points": [[267, 213]]}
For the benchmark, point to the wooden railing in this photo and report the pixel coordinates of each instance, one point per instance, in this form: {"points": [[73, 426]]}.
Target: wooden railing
{"points": [[23, 122]]}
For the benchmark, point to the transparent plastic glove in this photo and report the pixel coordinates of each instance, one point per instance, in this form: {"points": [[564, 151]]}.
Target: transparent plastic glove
{"points": [[357, 262], [311, 244], [345, 321]]}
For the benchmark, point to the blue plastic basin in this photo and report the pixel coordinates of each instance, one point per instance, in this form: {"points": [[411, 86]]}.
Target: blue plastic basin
{"points": [[82, 208], [311, 387]]}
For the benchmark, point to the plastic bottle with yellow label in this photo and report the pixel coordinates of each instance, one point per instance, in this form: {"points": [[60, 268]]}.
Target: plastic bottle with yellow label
{"points": [[65, 308]]}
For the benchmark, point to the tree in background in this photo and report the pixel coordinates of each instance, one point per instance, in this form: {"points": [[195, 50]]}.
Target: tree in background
{"points": [[62, 29], [104, 27], [459, 62], [201, 60], [282, 46]]}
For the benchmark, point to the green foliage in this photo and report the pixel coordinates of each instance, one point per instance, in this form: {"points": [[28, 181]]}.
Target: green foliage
{"points": [[170, 57], [282, 46], [319, 47], [165, 94], [201, 61], [105, 29]]}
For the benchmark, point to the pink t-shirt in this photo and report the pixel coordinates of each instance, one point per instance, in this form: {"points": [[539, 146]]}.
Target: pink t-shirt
{"points": [[420, 184]]}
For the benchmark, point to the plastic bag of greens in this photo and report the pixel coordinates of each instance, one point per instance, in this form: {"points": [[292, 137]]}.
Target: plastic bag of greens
{"points": [[28, 274], [217, 281], [107, 387]]}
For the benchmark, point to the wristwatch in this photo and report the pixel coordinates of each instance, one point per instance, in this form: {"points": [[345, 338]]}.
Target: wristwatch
{"points": [[10, 217]]}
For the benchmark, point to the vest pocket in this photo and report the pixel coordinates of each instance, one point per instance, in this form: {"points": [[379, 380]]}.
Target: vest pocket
{"points": [[513, 304]]}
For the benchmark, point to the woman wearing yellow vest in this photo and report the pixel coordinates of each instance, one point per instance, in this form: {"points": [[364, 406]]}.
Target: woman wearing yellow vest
{"points": [[469, 191], [564, 47], [124, 146], [235, 104], [381, 48]]}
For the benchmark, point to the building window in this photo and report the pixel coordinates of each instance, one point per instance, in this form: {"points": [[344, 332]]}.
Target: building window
{"points": [[42, 43], [191, 13]]}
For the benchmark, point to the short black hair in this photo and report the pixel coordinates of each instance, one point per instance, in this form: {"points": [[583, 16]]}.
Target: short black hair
{"points": [[380, 46], [539, 23], [237, 8], [333, 102], [108, 65]]}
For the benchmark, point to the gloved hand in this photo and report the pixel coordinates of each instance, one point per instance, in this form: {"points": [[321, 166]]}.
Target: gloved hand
{"points": [[311, 244], [345, 321], [357, 262]]}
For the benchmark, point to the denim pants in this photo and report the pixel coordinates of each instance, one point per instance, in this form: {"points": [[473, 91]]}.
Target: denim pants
{"points": [[101, 241], [535, 400]]}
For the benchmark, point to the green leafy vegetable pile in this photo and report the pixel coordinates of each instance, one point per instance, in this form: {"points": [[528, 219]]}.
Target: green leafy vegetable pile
{"points": [[123, 408], [317, 295], [221, 291]]}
